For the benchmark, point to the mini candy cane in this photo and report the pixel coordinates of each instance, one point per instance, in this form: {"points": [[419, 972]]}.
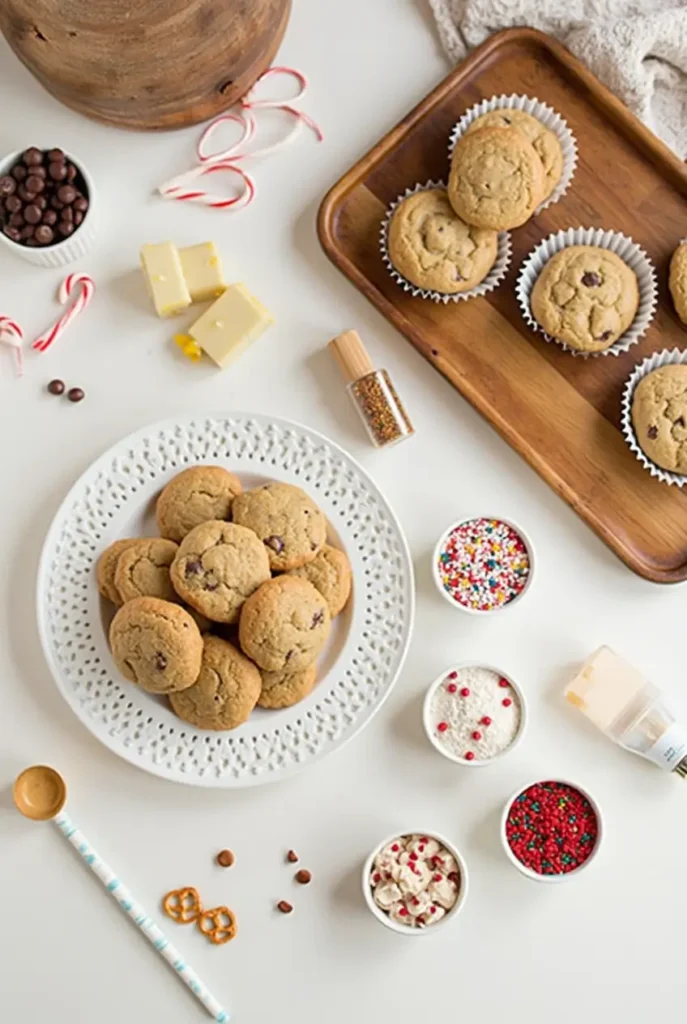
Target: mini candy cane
{"points": [[86, 287], [181, 187], [12, 335]]}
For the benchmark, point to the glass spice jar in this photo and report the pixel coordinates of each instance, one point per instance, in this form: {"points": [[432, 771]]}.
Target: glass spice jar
{"points": [[371, 391]]}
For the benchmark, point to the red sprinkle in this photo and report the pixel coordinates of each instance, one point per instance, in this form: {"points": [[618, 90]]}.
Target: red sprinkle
{"points": [[504, 683], [413, 855], [451, 687], [436, 878], [551, 828], [469, 756], [506, 702], [395, 848], [486, 720], [376, 877], [453, 675], [477, 735], [433, 909], [465, 692], [403, 912], [442, 727]]}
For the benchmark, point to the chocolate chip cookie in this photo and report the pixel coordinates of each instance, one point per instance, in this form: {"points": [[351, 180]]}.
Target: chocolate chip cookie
{"points": [[225, 692], [284, 625], [677, 281], [586, 297], [330, 573], [106, 566], [430, 246], [287, 521], [142, 570], [544, 141], [156, 644], [218, 565], [659, 417], [282, 689], [193, 497], [496, 179]]}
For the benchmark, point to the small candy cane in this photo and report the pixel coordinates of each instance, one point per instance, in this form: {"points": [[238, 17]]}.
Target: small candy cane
{"points": [[12, 335], [248, 103], [86, 287], [181, 187]]}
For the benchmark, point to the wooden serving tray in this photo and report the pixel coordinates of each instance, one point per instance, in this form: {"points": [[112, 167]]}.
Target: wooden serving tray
{"points": [[559, 412]]}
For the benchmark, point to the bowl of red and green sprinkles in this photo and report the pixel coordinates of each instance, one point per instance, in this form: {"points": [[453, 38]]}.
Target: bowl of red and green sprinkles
{"points": [[551, 830], [482, 565]]}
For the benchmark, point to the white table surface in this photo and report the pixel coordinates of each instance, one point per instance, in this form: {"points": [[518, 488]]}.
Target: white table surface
{"points": [[607, 946]]}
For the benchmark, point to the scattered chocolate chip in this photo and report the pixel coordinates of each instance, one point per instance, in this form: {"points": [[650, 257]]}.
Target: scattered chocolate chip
{"points": [[56, 387], [652, 432], [32, 156], [590, 279], [317, 619], [285, 907], [193, 569], [76, 395], [292, 857], [160, 660], [32, 214], [276, 543], [8, 186], [303, 876], [44, 234], [225, 858]]}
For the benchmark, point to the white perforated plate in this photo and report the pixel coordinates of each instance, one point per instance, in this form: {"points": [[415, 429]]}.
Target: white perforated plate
{"points": [[115, 498]]}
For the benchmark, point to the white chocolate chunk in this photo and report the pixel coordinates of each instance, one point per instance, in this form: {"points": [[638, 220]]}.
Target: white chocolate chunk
{"points": [[162, 271], [230, 325], [202, 269]]}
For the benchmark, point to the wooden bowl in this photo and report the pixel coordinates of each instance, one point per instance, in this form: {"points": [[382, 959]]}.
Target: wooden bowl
{"points": [[145, 65]]}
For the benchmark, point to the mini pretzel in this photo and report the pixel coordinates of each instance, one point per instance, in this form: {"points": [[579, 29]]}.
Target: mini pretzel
{"points": [[182, 905], [218, 925]]}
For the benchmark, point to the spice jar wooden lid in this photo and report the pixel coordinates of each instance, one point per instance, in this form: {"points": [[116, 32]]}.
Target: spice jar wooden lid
{"points": [[351, 355]]}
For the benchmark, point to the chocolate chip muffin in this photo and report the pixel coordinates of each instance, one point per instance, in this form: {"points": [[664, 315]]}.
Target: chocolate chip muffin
{"points": [[330, 573], [430, 246], [225, 692], [218, 565], [283, 690], [586, 297], [193, 497], [156, 644], [496, 179], [284, 625], [287, 521], [544, 141], [659, 417]]}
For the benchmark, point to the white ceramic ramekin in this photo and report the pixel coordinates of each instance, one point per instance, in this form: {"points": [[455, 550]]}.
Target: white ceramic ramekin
{"points": [[533, 875], [427, 706], [476, 611], [402, 929], [72, 248]]}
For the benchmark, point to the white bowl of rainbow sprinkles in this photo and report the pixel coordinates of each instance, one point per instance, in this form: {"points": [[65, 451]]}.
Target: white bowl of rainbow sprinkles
{"points": [[483, 564], [474, 713]]}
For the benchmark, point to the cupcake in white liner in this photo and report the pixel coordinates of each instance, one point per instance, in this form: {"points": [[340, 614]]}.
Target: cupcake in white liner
{"points": [[541, 112], [628, 251], [493, 278], [674, 357]]}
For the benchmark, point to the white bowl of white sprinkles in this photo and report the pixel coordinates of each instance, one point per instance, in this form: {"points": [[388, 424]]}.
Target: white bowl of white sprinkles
{"points": [[474, 714]]}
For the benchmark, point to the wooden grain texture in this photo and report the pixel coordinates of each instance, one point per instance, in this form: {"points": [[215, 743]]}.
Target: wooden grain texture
{"points": [[560, 413], [148, 64]]}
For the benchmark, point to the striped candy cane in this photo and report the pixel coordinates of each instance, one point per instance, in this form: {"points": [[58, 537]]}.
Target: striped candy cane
{"points": [[182, 187], [12, 335], [138, 915], [86, 287]]}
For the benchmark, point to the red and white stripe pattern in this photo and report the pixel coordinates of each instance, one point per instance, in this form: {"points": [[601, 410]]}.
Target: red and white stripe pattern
{"points": [[183, 186], [12, 335], [75, 283]]}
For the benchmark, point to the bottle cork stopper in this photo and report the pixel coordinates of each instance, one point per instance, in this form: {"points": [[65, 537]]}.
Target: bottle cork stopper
{"points": [[351, 355]]}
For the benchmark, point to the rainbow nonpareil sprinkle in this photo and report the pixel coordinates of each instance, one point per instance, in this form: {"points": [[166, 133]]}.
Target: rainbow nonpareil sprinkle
{"points": [[484, 564]]}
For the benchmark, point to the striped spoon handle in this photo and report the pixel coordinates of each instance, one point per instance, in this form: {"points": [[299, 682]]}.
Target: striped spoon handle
{"points": [[138, 915]]}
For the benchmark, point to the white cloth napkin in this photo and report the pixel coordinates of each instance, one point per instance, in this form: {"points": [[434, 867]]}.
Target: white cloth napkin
{"points": [[638, 48]]}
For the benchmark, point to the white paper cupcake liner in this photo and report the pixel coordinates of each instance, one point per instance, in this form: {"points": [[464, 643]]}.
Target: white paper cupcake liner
{"points": [[491, 281], [614, 241], [667, 357], [548, 117]]}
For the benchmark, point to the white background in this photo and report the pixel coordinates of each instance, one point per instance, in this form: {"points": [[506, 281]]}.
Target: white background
{"points": [[607, 946]]}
